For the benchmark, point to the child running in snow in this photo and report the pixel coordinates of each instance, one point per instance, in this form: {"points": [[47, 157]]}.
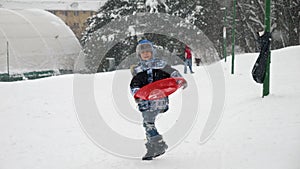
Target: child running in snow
{"points": [[151, 69]]}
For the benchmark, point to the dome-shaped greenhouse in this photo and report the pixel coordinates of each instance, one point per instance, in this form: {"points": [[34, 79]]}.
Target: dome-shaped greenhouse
{"points": [[33, 40]]}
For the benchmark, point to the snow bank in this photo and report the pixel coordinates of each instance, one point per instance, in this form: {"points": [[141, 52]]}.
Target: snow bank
{"points": [[39, 126]]}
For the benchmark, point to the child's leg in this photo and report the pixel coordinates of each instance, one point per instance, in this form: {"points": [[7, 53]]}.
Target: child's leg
{"points": [[155, 144], [149, 123]]}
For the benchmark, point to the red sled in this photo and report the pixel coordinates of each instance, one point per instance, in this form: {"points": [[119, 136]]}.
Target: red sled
{"points": [[160, 89]]}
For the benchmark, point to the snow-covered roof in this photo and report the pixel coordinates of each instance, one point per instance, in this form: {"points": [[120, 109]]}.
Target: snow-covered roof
{"points": [[37, 40], [80, 5]]}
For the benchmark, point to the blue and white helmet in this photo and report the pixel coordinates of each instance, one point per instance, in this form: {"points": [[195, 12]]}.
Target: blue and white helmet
{"points": [[143, 46]]}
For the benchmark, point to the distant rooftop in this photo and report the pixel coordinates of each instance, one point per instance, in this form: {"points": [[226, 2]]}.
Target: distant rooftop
{"points": [[79, 5]]}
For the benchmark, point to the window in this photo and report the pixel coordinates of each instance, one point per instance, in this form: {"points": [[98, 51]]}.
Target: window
{"points": [[75, 26], [76, 13]]}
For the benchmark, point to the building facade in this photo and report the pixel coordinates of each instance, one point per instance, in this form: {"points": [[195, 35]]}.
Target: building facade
{"points": [[76, 20], [73, 13]]}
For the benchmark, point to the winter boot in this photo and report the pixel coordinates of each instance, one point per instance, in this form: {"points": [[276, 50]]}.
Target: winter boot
{"points": [[155, 147], [160, 148], [150, 152]]}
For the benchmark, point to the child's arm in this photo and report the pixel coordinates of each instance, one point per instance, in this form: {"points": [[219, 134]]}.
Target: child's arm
{"points": [[135, 85], [174, 73]]}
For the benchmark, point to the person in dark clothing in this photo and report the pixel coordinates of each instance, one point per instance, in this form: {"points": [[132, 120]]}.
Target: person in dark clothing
{"points": [[151, 69]]}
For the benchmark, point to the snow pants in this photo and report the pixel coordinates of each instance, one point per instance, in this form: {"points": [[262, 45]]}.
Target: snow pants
{"points": [[149, 124]]}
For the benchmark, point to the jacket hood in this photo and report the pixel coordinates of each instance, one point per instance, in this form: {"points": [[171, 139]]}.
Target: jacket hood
{"points": [[145, 45]]}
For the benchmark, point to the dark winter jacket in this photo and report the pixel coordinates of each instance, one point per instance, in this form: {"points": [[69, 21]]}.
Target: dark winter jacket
{"points": [[147, 72]]}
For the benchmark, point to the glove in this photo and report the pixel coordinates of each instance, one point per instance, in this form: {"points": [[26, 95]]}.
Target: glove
{"points": [[182, 83], [137, 100]]}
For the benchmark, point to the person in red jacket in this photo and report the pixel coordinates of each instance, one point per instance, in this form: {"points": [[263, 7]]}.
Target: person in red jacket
{"points": [[188, 59]]}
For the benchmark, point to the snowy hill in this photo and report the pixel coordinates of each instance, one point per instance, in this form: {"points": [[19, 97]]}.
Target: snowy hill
{"points": [[40, 129]]}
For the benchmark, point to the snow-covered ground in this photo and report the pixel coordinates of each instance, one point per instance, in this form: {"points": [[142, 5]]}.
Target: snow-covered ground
{"points": [[88, 5], [39, 128]]}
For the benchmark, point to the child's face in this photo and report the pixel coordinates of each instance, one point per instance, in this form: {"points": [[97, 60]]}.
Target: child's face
{"points": [[146, 55]]}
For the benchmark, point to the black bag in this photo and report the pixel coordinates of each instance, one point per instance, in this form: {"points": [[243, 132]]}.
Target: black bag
{"points": [[259, 68]]}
